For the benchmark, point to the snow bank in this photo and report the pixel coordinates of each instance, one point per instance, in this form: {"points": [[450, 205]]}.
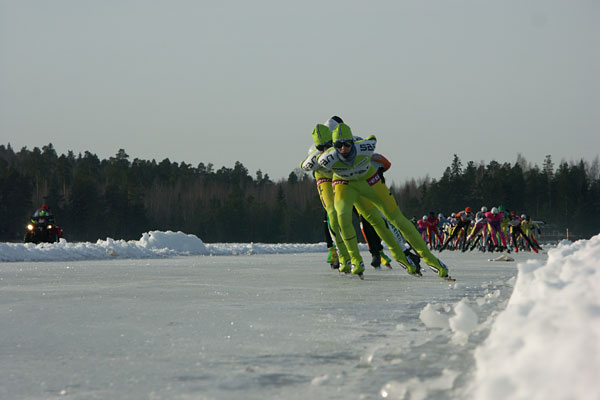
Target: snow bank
{"points": [[154, 244], [546, 343]]}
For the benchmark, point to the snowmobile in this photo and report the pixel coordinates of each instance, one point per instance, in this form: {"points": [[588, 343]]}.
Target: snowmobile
{"points": [[42, 230]]}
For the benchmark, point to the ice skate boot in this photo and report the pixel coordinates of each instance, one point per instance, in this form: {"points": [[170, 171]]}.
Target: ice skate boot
{"points": [[414, 258], [376, 260], [358, 269], [335, 264], [346, 267], [408, 264], [385, 260], [534, 249], [333, 258], [331, 255], [440, 269]]}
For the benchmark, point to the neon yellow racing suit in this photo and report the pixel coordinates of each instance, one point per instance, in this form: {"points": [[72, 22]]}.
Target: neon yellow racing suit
{"points": [[357, 183], [323, 178]]}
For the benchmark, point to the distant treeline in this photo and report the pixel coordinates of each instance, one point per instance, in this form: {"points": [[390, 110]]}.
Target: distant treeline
{"points": [[121, 199]]}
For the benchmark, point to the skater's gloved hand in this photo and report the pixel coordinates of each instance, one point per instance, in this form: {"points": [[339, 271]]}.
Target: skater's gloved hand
{"points": [[380, 171]]}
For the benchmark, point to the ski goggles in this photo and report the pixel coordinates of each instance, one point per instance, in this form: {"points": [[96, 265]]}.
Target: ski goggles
{"points": [[343, 143], [324, 146]]}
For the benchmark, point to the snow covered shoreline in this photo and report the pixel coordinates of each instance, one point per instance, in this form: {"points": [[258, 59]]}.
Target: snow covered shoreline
{"points": [[155, 244]]}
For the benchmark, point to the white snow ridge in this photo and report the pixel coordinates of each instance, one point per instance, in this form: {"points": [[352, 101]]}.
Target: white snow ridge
{"points": [[155, 244], [546, 344]]}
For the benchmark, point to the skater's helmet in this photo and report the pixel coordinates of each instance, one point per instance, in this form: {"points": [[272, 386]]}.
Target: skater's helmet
{"points": [[342, 132], [44, 207], [425, 218], [441, 216], [484, 209], [479, 215], [321, 135], [332, 122], [501, 208], [494, 210], [523, 216], [468, 209]]}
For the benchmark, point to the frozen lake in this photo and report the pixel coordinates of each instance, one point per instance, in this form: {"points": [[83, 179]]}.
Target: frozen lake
{"points": [[240, 327]]}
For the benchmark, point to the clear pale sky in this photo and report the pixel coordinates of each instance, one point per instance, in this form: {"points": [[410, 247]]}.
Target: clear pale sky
{"points": [[225, 81]]}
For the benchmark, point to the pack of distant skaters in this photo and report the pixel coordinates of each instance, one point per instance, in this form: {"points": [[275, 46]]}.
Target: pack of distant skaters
{"points": [[495, 230]]}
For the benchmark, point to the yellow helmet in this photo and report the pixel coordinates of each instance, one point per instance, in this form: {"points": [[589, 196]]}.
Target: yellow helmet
{"points": [[321, 135], [342, 132]]}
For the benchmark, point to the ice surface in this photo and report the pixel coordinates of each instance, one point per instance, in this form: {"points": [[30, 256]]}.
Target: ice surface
{"points": [[285, 325]]}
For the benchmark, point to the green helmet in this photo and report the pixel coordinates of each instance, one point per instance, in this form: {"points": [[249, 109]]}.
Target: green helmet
{"points": [[321, 134], [342, 132]]}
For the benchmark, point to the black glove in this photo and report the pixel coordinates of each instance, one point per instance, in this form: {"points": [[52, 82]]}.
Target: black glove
{"points": [[380, 171]]}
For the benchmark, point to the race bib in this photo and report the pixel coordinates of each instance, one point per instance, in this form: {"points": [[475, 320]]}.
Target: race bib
{"points": [[374, 179]]}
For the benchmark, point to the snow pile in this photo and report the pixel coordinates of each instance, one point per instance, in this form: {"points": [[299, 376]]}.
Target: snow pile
{"points": [[170, 242], [153, 244], [546, 343]]}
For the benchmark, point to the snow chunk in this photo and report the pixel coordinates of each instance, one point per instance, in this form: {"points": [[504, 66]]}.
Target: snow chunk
{"points": [[417, 389], [463, 323], [320, 380], [432, 318], [503, 257]]}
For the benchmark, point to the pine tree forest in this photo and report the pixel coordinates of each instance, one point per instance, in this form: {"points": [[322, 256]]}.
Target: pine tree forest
{"points": [[96, 199]]}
